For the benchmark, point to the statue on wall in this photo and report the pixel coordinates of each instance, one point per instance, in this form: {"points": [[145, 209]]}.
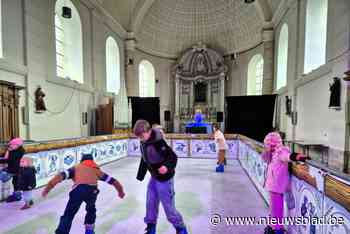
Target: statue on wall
{"points": [[288, 105], [39, 100], [201, 68], [335, 88]]}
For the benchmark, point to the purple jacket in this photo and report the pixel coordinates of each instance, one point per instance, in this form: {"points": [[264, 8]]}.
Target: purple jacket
{"points": [[277, 179]]}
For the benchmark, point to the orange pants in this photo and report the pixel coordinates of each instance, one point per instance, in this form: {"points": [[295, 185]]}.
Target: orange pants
{"points": [[221, 156]]}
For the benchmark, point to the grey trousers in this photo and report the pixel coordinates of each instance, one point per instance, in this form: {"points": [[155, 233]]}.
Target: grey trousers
{"points": [[163, 192]]}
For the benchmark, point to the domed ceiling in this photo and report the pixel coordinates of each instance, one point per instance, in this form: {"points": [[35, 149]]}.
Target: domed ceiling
{"points": [[171, 26]]}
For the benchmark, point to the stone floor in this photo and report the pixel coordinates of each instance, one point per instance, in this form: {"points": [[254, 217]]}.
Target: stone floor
{"points": [[200, 192]]}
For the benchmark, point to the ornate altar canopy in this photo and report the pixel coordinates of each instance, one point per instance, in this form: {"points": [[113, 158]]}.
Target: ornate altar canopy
{"points": [[199, 85]]}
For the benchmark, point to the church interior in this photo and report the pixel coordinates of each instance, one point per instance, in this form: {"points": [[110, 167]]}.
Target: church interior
{"points": [[248, 99]]}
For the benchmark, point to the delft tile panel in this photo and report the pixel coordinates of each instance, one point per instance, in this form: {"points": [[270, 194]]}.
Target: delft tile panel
{"points": [[53, 159], [181, 148], [232, 152], [255, 167], [333, 209], [203, 148], [69, 158], [49, 163], [308, 203], [134, 147]]}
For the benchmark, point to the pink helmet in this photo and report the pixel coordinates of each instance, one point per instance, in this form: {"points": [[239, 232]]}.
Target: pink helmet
{"points": [[15, 143], [273, 140]]}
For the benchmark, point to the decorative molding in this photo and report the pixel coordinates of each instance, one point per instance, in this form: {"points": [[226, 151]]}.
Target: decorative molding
{"points": [[12, 67], [140, 10], [103, 16], [281, 91], [70, 84], [268, 35], [282, 9], [264, 9], [163, 55], [314, 75], [200, 62]]}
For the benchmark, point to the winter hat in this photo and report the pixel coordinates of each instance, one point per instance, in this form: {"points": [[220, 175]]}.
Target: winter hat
{"points": [[273, 140], [15, 143], [86, 156]]}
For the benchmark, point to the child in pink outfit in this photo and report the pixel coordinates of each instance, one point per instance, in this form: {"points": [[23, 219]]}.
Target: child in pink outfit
{"points": [[277, 180]]}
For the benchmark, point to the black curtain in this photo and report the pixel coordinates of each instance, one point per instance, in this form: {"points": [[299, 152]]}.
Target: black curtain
{"points": [[251, 116], [146, 108]]}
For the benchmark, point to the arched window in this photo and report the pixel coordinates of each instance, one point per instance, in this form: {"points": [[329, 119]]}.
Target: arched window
{"points": [[69, 43], [315, 34], [112, 66], [282, 57], [255, 75], [146, 79]]}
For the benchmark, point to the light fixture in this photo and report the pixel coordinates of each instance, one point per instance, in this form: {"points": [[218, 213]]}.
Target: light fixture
{"points": [[66, 12]]}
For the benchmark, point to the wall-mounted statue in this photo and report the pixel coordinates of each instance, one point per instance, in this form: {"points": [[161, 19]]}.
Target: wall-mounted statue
{"points": [[335, 88], [39, 100], [288, 105]]}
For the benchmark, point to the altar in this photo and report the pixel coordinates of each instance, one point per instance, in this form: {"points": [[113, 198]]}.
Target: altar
{"points": [[199, 86], [198, 126]]}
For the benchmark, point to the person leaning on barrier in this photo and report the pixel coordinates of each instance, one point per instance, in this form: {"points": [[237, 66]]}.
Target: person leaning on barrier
{"points": [[277, 183]]}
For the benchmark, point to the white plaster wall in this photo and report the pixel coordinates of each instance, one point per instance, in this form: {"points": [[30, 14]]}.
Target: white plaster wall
{"points": [[291, 19], [36, 43], [311, 91], [238, 72], [165, 86]]}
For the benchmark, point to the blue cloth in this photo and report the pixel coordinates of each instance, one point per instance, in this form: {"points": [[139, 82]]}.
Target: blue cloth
{"points": [[5, 176], [198, 118], [205, 125]]}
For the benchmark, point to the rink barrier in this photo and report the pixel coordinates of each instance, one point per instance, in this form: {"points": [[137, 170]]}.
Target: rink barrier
{"points": [[317, 191]]}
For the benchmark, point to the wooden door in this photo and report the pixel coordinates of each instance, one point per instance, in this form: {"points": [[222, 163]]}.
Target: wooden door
{"points": [[9, 101], [104, 119]]}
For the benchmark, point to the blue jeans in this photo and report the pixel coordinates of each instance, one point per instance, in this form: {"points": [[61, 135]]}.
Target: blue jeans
{"points": [[81, 193], [5, 176], [162, 192]]}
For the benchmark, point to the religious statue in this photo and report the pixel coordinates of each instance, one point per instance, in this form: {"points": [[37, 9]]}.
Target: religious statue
{"points": [[200, 64], [39, 100], [198, 117], [335, 88], [288, 106], [198, 126]]}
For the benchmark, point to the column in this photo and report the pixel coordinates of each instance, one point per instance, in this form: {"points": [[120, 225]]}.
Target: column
{"points": [[191, 95], [268, 44], [209, 100], [222, 99], [209, 94], [177, 105], [131, 82]]}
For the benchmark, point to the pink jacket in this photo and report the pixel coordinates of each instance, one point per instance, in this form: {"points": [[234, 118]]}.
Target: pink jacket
{"points": [[277, 179]]}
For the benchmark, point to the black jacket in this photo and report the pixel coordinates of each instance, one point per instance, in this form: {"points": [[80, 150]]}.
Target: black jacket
{"points": [[13, 160], [156, 153], [26, 178]]}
